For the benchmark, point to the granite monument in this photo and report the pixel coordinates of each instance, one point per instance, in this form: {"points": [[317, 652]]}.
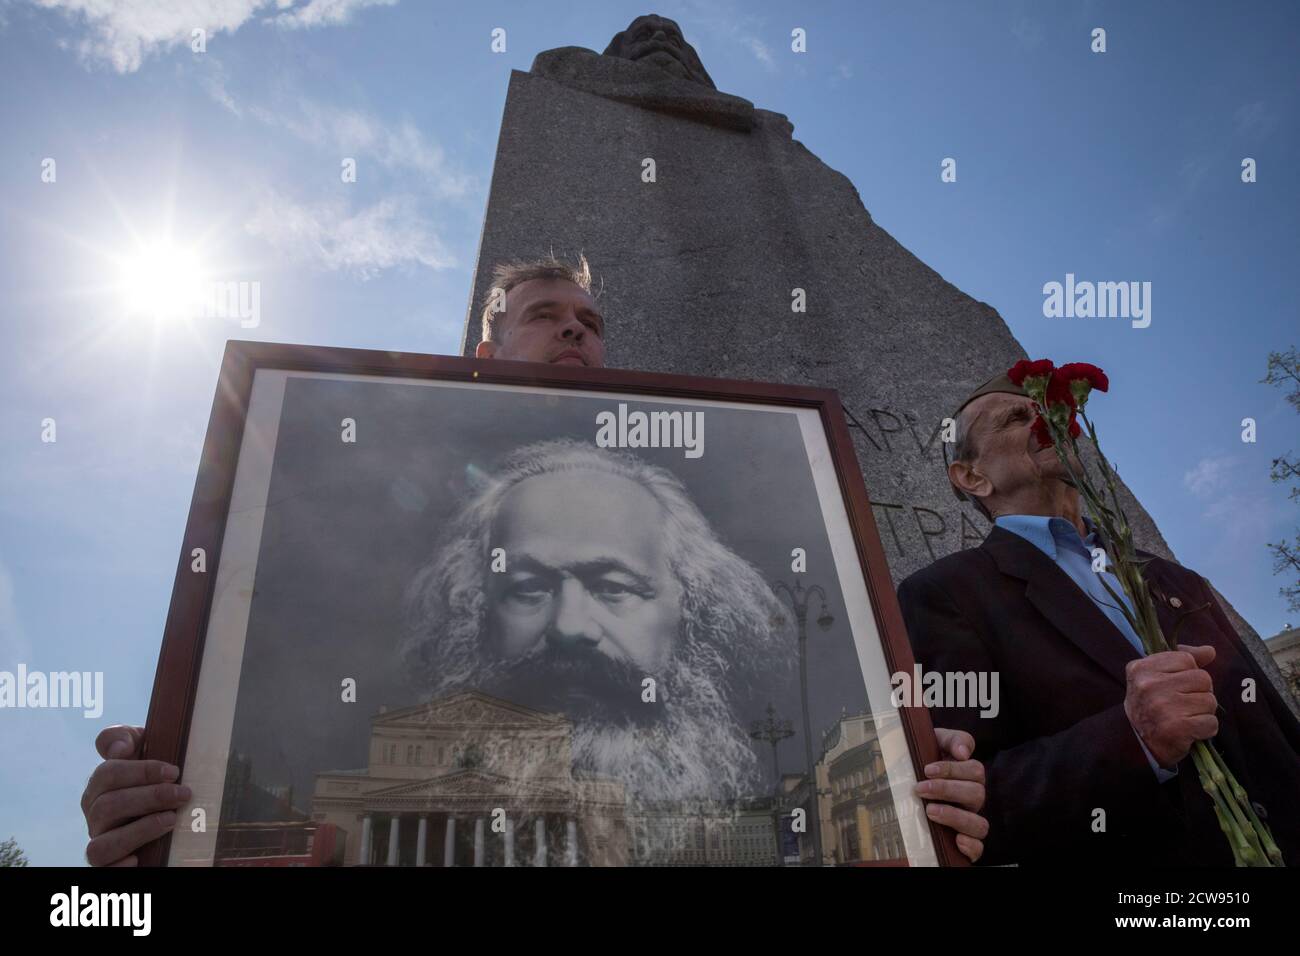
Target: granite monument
{"points": [[707, 221]]}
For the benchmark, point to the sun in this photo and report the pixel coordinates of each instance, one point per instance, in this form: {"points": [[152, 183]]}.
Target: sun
{"points": [[162, 280]]}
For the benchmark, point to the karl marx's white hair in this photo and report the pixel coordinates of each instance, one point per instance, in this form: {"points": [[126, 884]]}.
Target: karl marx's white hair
{"points": [[735, 634]]}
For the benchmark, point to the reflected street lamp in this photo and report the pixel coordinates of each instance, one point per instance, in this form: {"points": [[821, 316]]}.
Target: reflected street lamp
{"points": [[773, 731], [799, 599]]}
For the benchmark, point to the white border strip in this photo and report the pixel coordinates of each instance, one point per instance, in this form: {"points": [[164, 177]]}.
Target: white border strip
{"points": [[208, 749]]}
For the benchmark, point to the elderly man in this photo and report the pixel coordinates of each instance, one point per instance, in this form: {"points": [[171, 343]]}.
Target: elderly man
{"points": [[540, 311], [1087, 755]]}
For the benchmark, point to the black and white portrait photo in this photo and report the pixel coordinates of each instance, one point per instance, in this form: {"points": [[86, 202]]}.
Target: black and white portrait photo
{"points": [[474, 624], [617, 605]]}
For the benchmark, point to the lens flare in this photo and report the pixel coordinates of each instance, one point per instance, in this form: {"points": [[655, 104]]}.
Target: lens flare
{"points": [[162, 281]]}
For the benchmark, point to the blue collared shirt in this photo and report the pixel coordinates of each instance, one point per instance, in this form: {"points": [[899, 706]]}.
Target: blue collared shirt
{"points": [[1060, 541]]}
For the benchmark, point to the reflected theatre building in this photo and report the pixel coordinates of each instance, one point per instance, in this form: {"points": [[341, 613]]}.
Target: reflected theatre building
{"points": [[444, 787], [473, 780]]}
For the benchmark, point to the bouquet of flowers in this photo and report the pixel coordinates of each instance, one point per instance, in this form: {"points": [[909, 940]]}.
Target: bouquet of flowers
{"points": [[1061, 395]]}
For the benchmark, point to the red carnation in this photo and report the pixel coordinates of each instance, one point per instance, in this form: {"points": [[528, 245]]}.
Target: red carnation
{"points": [[1058, 391], [1026, 369], [1042, 432], [1095, 377], [1074, 427]]}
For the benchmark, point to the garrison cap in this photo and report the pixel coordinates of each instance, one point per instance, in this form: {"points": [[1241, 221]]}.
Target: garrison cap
{"points": [[998, 383]]}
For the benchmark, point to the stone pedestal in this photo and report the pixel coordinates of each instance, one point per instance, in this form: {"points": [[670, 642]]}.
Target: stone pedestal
{"points": [[699, 269]]}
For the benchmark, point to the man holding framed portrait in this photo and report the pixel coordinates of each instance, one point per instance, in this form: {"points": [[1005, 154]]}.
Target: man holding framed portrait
{"points": [[576, 644]]}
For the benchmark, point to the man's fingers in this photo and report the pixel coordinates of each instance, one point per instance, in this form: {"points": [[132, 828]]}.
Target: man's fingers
{"points": [[1195, 705], [116, 807], [965, 793], [115, 845], [1164, 662], [963, 821], [119, 774], [955, 743], [970, 848], [1194, 681], [1183, 659], [955, 770], [119, 742], [1203, 727]]}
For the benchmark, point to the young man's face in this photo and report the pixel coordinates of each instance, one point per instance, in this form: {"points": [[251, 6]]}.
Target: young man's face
{"points": [[549, 320]]}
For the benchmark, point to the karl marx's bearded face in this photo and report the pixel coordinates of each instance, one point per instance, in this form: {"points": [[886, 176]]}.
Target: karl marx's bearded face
{"points": [[659, 42], [612, 576], [587, 572]]}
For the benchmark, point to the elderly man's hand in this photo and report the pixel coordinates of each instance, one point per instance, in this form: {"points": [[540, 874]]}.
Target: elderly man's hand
{"points": [[956, 789], [1170, 701], [128, 801]]}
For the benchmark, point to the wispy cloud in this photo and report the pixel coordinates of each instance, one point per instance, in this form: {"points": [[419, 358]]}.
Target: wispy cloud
{"points": [[327, 13], [396, 146], [1245, 524], [350, 132], [1194, 169], [1211, 163], [1254, 119], [732, 24], [1028, 32], [214, 80], [121, 33], [335, 235], [332, 236], [759, 49], [1208, 476]]}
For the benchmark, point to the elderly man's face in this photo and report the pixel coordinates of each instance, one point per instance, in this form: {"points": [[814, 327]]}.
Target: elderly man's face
{"points": [[587, 571], [1008, 454]]}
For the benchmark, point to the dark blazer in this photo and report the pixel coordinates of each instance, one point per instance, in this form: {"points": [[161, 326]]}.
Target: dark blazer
{"points": [[1061, 745]]}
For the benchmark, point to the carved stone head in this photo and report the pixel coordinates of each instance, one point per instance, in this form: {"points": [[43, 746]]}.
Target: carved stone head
{"points": [[658, 41]]}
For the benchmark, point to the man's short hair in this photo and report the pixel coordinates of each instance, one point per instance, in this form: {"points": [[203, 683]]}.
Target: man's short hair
{"points": [[964, 449], [507, 275]]}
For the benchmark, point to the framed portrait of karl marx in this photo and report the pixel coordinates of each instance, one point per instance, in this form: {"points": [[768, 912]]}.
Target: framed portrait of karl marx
{"points": [[436, 611]]}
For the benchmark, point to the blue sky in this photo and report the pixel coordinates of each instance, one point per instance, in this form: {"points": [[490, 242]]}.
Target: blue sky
{"points": [[1116, 166]]}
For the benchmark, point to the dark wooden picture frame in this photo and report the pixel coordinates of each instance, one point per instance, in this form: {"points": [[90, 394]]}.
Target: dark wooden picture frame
{"points": [[177, 677]]}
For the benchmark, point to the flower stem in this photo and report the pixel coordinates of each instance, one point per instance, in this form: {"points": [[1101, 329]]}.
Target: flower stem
{"points": [[1262, 832], [1249, 838], [1243, 853]]}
